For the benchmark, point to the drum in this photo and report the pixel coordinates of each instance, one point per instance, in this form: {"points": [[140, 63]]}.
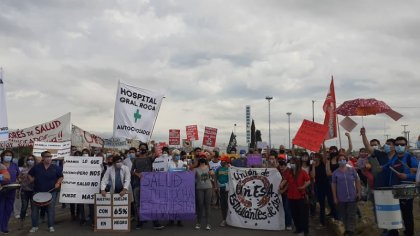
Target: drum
{"points": [[404, 191], [388, 213], [9, 187], [42, 199]]}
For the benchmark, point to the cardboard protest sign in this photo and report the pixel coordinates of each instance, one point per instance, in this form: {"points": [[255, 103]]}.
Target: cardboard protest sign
{"points": [[394, 115], [167, 196], [174, 137], [348, 124], [116, 143], [262, 145], [192, 132], [58, 150], [136, 110], [254, 200], [209, 138], [254, 160], [4, 129], [310, 135], [82, 177], [57, 130], [186, 145], [81, 138]]}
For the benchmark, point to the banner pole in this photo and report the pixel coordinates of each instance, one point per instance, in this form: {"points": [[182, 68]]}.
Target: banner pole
{"points": [[339, 133], [154, 123]]}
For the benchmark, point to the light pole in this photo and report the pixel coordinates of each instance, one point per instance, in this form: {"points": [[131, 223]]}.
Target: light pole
{"points": [[234, 129], [288, 116], [269, 119], [313, 111]]}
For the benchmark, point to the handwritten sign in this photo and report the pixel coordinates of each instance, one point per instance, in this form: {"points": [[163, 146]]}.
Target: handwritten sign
{"points": [[209, 138], [57, 150], [254, 160], [310, 135], [82, 176], [112, 213], [57, 130], [174, 137], [167, 196], [81, 138], [254, 201]]}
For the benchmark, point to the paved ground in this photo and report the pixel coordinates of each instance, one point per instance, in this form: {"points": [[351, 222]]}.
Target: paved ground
{"points": [[65, 227]]}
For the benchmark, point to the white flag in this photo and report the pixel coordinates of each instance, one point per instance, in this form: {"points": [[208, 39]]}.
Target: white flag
{"points": [[136, 110], [4, 130]]}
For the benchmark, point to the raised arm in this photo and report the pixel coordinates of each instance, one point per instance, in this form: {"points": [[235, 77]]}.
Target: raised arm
{"points": [[365, 140], [350, 143]]}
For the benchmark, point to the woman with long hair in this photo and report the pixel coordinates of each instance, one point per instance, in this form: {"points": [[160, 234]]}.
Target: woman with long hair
{"points": [[27, 188], [298, 180], [204, 191]]}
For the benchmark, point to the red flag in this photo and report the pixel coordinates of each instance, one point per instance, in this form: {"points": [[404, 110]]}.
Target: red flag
{"points": [[329, 107]]}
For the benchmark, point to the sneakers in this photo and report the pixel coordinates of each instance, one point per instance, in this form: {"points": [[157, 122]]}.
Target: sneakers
{"points": [[33, 230], [158, 227], [5, 232], [208, 227], [289, 228], [139, 226], [223, 223], [197, 226], [51, 229]]}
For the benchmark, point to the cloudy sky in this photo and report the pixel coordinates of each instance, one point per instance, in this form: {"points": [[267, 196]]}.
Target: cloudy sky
{"points": [[211, 59]]}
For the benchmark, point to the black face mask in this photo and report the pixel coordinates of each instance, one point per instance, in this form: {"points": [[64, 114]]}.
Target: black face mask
{"points": [[110, 163], [282, 151], [143, 151], [333, 154], [202, 161]]}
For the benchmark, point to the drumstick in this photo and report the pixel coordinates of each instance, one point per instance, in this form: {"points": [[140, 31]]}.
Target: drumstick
{"points": [[394, 170], [49, 191]]}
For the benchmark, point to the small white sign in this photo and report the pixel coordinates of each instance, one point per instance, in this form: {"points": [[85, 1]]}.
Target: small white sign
{"points": [[103, 223], [100, 200], [120, 224], [103, 211], [120, 211], [120, 201]]}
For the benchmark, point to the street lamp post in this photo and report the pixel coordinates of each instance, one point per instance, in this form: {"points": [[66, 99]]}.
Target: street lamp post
{"points": [[269, 119], [313, 111], [288, 116]]}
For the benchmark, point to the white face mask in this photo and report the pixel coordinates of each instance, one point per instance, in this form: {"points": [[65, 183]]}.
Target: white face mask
{"points": [[375, 147], [85, 155], [118, 165]]}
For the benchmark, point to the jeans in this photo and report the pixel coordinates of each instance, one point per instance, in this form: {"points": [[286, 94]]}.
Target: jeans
{"points": [[204, 200], [286, 207], [224, 202], [6, 208], [26, 198], [348, 215], [406, 206], [50, 212], [322, 193], [300, 214]]}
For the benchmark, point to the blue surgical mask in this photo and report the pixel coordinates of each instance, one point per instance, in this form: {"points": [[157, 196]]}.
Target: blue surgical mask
{"points": [[131, 155], [400, 149], [15, 160], [30, 162], [387, 148], [342, 162], [7, 158], [177, 157]]}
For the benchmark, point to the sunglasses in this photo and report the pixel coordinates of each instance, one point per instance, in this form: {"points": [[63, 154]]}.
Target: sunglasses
{"points": [[400, 144]]}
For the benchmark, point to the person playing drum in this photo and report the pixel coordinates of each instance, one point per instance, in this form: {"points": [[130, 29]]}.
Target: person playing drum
{"points": [[7, 198], [46, 178]]}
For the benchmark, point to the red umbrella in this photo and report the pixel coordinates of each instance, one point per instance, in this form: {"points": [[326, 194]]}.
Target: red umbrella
{"points": [[362, 107]]}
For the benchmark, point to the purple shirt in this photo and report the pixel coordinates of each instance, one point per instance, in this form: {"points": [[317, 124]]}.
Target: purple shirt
{"points": [[345, 182], [14, 172]]}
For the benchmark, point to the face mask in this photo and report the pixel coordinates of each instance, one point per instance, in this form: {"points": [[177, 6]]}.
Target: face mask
{"points": [[342, 162], [7, 158], [387, 148], [165, 154], [143, 151], [131, 155], [293, 166], [118, 165], [177, 158], [333, 154], [110, 163], [108, 154], [30, 162], [85, 155], [282, 151], [15, 160], [400, 149], [418, 144], [202, 161], [375, 147]]}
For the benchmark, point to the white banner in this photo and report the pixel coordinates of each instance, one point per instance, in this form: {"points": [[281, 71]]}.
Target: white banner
{"points": [[4, 130], [81, 138], [116, 143], [58, 150], [136, 110], [254, 201], [57, 130], [82, 176]]}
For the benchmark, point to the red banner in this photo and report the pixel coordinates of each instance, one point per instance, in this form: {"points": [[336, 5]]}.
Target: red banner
{"points": [[174, 137], [209, 138], [310, 135], [192, 132], [329, 107]]}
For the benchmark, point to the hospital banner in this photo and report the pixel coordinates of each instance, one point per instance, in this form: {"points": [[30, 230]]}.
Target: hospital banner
{"points": [[136, 110], [254, 200]]}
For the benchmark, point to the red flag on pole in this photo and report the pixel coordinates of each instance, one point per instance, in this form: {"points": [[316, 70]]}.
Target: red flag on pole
{"points": [[329, 107]]}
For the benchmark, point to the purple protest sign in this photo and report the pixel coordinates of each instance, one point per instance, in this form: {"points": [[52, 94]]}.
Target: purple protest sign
{"points": [[167, 196], [254, 160]]}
